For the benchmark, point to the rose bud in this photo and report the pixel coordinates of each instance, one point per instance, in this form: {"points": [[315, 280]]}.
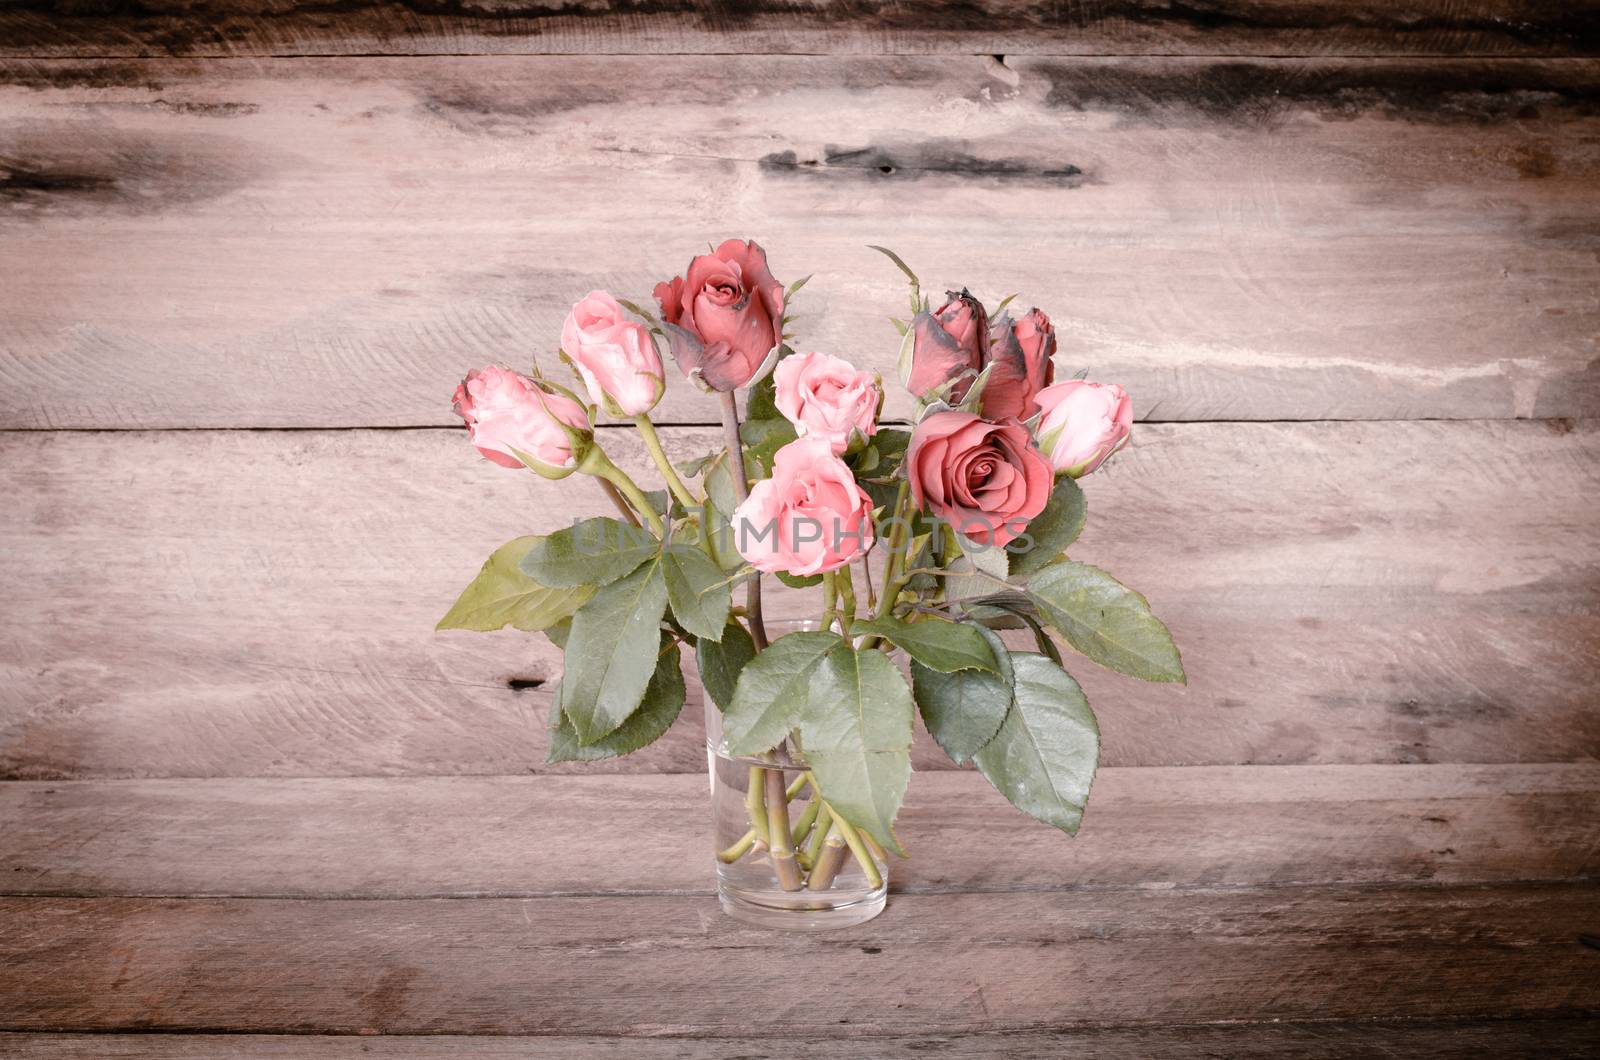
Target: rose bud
{"points": [[616, 356], [826, 397], [810, 517], [1083, 423], [724, 316], [1019, 366], [516, 421], [945, 345], [985, 479]]}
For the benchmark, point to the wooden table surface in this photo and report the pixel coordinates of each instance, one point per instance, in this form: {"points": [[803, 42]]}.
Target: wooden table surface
{"points": [[1345, 256]]}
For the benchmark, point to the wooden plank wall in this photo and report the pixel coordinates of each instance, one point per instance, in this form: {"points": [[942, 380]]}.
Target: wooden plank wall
{"points": [[1346, 256]]}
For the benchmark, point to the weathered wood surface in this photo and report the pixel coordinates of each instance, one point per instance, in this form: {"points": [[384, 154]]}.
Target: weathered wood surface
{"points": [[247, 603], [543, 836], [1207, 27], [1574, 1039], [333, 242], [676, 965]]}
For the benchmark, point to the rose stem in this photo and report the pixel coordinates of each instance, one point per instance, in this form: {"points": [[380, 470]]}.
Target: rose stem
{"points": [[779, 842], [847, 597], [600, 465], [820, 829], [616, 498], [742, 845], [830, 599], [891, 562], [866, 577], [808, 817], [755, 802], [652, 442], [741, 491], [859, 849], [828, 863]]}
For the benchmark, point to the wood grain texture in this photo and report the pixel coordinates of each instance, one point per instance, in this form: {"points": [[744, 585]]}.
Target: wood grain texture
{"points": [[1575, 1039], [543, 836], [262, 603], [676, 965], [332, 242], [1209, 27]]}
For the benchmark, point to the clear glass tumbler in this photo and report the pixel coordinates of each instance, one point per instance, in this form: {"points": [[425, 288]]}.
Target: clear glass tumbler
{"points": [[827, 875]]}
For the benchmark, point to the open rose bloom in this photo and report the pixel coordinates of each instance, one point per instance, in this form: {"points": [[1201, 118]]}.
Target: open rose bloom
{"points": [[906, 545]]}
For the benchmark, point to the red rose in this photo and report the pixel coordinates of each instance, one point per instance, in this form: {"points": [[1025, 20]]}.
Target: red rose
{"points": [[946, 344], [724, 315], [985, 479], [1020, 366]]}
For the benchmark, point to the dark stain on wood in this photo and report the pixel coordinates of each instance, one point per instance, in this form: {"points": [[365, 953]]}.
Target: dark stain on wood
{"points": [[932, 158], [1264, 26], [46, 173], [43, 76], [1255, 93], [1552, 24], [1470, 709]]}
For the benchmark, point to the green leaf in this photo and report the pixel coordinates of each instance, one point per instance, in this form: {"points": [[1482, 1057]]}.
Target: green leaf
{"points": [[719, 486], [763, 439], [558, 633], [1106, 620], [721, 661], [611, 652], [964, 709], [935, 643], [501, 595], [992, 560], [663, 700], [691, 468], [892, 256], [1053, 530], [762, 402], [771, 694], [799, 581], [593, 552], [857, 734], [1044, 755], [696, 590]]}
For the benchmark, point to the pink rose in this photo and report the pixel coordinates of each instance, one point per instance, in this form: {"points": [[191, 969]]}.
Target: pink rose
{"points": [[508, 413], [1083, 423], [946, 344], [825, 397], [615, 356], [724, 315], [810, 517], [985, 479], [1019, 366]]}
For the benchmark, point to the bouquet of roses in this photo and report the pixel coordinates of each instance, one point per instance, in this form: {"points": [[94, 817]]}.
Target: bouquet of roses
{"points": [[920, 541]]}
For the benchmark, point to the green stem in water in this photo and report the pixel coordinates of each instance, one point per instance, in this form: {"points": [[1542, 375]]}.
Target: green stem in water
{"points": [[808, 817], [742, 845], [859, 849], [827, 863], [819, 831], [780, 843], [652, 442], [755, 802]]}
